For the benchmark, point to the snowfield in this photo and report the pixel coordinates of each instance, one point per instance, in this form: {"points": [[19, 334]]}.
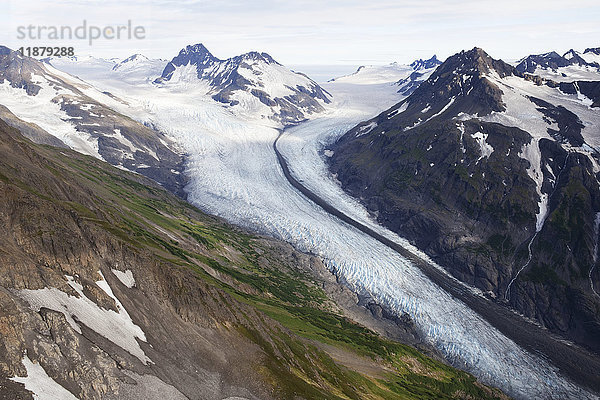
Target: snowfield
{"points": [[41, 110], [115, 326], [376, 74], [40, 384], [234, 173], [571, 73]]}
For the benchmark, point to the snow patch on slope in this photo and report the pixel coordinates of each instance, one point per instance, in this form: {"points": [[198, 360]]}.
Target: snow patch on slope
{"points": [[274, 79], [523, 114], [126, 277], [40, 384], [485, 148], [115, 326], [363, 130]]}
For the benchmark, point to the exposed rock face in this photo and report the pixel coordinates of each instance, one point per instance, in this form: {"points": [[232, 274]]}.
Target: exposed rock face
{"points": [[590, 89], [459, 185], [421, 64], [288, 95], [17, 70]]}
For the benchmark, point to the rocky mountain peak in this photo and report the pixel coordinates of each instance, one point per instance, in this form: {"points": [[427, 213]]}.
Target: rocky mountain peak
{"points": [[256, 56], [5, 51], [460, 84], [477, 61], [196, 54], [284, 96], [551, 55], [553, 61], [17, 70], [421, 64], [570, 54], [197, 49], [593, 50], [131, 60], [574, 57]]}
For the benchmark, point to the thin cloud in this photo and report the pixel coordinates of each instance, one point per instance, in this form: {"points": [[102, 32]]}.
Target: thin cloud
{"points": [[317, 32]]}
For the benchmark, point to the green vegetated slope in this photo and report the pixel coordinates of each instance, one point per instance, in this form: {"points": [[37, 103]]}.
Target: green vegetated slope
{"points": [[252, 288]]}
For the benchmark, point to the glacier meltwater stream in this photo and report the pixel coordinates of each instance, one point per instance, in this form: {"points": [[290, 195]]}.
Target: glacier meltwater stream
{"points": [[234, 173]]}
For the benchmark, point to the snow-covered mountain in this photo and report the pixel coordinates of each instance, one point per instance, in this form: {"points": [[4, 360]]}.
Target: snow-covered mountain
{"points": [[136, 69], [591, 55], [139, 67], [53, 103], [406, 77], [375, 74], [573, 65], [493, 173], [252, 83], [422, 70], [131, 62]]}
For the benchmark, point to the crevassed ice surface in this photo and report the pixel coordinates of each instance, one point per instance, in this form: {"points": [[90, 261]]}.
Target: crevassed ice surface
{"points": [[234, 173]]}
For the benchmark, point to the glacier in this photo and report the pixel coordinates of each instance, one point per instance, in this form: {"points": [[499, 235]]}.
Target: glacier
{"points": [[234, 173]]}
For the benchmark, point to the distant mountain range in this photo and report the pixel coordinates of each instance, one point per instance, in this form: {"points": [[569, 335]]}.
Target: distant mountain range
{"points": [[572, 65], [406, 77], [553, 60]]}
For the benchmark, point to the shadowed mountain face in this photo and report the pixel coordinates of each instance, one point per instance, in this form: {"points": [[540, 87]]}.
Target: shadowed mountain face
{"points": [[494, 177], [112, 288], [248, 78]]}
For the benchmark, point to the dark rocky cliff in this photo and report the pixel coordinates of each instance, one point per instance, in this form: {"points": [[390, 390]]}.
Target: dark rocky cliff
{"points": [[458, 187]]}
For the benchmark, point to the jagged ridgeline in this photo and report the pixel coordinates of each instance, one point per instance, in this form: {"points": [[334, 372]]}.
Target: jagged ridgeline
{"points": [[247, 79], [110, 287]]}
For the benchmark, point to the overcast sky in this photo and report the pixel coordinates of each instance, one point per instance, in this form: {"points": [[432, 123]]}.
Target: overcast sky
{"points": [[319, 32]]}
